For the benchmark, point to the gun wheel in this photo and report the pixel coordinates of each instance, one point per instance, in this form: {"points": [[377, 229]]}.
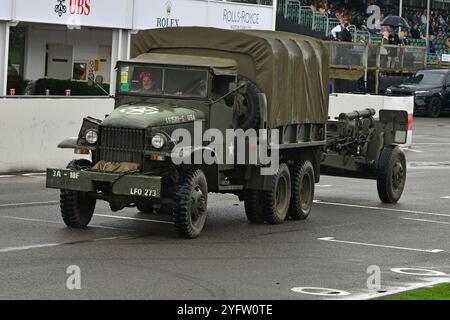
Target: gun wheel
{"points": [[391, 174], [191, 200]]}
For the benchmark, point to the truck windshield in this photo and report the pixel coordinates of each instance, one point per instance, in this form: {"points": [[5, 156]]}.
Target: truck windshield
{"points": [[165, 81], [427, 78]]}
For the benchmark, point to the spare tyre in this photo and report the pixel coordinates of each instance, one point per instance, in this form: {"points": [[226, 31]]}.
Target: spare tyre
{"points": [[250, 117]]}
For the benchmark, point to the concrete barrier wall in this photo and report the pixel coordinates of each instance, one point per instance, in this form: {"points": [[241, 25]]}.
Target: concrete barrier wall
{"points": [[31, 128]]}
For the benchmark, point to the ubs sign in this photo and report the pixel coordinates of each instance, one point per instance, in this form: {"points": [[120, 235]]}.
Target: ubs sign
{"points": [[73, 7]]}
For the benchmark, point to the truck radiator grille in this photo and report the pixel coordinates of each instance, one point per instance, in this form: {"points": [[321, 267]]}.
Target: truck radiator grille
{"points": [[121, 144]]}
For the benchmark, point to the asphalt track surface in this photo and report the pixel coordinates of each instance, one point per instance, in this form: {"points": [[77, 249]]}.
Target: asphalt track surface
{"points": [[130, 255]]}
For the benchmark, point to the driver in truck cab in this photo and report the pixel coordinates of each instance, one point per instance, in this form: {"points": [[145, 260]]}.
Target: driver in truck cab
{"points": [[148, 82]]}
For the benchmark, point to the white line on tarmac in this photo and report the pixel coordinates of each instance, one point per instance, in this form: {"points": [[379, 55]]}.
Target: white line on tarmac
{"points": [[380, 208], [46, 245], [130, 218], [10, 249], [331, 239], [7, 176], [29, 203], [425, 220], [432, 143], [413, 150], [446, 197], [57, 222], [324, 185], [32, 174]]}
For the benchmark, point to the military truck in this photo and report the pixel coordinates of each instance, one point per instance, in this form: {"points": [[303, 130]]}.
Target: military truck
{"points": [[193, 79]]}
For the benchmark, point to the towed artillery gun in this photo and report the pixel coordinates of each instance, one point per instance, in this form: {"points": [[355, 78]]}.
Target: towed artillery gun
{"points": [[270, 83]]}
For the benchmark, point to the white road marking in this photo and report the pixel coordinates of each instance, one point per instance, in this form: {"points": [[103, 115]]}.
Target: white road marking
{"points": [[432, 143], [446, 197], [130, 218], [413, 150], [380, 208], [47, 245], [29, 203], [37, 246], [320, 291], [7, 176], [425, 220], [33, 174], [331, 239], [419, 272], [324, 185], [58, 222]]}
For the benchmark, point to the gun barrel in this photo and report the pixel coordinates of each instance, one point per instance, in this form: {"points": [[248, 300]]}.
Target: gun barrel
{"points": [[366, 113]]}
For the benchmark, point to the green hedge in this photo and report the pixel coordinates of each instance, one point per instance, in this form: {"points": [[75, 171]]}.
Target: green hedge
{"points": [[17, 83], [59, 87]]}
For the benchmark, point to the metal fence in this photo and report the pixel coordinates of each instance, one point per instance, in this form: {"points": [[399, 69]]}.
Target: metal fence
{"points": [[376, 56]]}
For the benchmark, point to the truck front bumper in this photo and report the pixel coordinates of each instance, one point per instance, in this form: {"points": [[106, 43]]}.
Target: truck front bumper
{"points": [[90, 181]]}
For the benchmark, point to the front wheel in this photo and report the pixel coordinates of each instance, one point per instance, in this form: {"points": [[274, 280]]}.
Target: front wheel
{"points": [[191, 200], [77, 208], [434, 107], [391, 175]]}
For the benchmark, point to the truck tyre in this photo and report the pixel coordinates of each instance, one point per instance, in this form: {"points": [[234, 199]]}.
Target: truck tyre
{"points": [[302, 194], [391, 175], [275, 203], [251, 101], [191, 200], [77, 208], [434, 107], [252, 206], [145, 207]]}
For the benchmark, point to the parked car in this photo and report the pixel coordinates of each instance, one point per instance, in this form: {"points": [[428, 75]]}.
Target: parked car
{"points": [[431, 90]]}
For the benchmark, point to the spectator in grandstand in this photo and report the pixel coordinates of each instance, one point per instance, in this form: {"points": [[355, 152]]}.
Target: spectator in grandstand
{"points": [[341, 32], [404, 39], [415, 32], [431, 48], [423, 17]]}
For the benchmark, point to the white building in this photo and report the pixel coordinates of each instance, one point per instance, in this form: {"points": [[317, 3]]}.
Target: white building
{"points": [[69, 39]]}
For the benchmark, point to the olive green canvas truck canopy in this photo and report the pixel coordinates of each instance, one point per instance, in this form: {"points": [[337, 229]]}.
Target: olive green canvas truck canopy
{"points": [[291, 69]]}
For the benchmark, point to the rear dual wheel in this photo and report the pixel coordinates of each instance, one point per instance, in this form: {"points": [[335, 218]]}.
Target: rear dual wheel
{"points": [[292, 195]]}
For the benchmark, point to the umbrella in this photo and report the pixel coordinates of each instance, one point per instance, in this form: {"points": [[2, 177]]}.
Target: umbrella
{"points": [[395, 21]]}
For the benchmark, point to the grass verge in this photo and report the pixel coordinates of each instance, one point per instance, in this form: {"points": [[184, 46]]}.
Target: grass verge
{"points": [[439, 292]]}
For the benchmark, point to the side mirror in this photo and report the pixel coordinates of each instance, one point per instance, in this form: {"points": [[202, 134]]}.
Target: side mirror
{"points": [[99, 79], [242, 87], [91, 80]]}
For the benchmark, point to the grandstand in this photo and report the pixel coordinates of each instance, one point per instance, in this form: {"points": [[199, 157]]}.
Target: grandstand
{"points": [[367, 59]]}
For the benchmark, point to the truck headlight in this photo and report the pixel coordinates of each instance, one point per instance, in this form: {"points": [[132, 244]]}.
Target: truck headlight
{"points": [[92, 136], [158, 141]]}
